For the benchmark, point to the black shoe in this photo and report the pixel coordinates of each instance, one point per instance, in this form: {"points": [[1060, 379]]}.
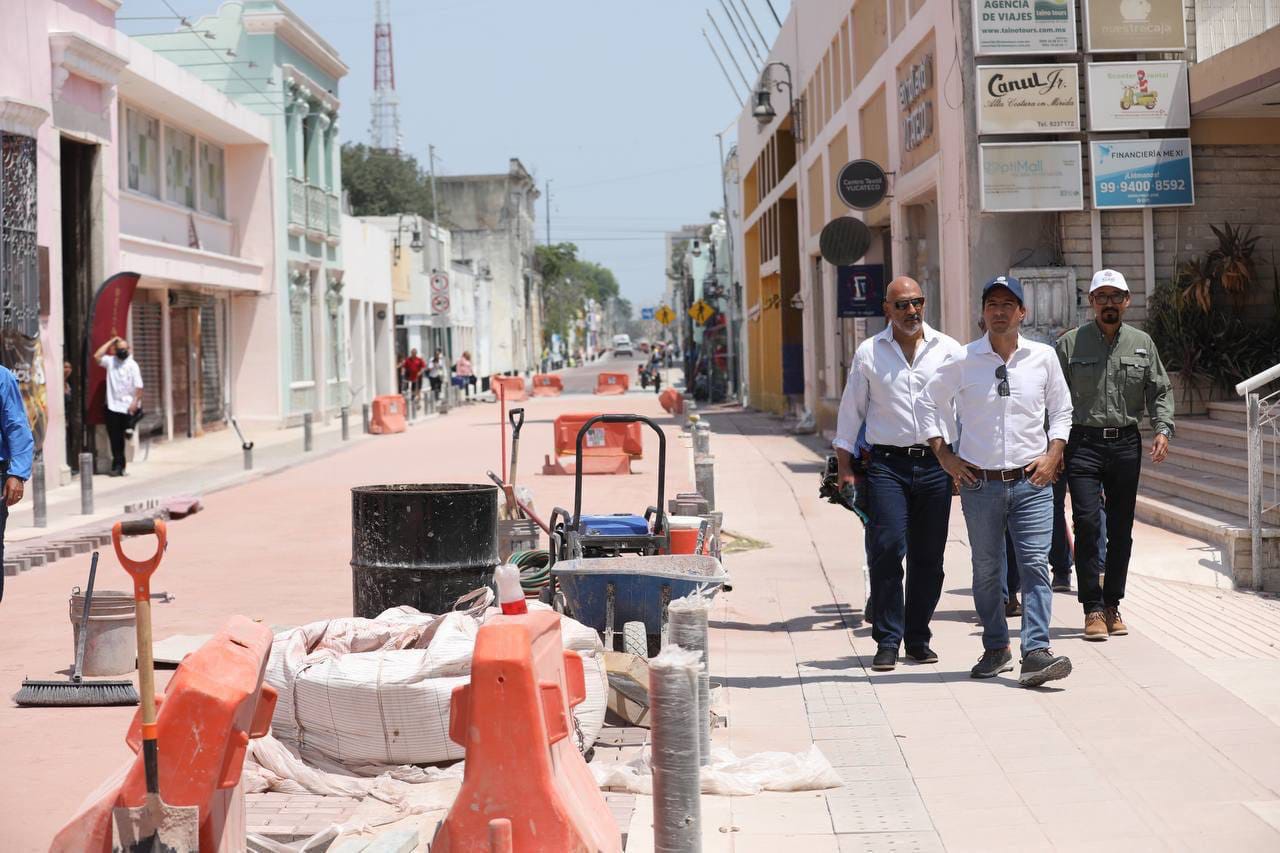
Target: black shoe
{"points": [[992, 663], [1043, 665], [1012, 607], [885, 660], [116, 472], [1062, 581], [922, 654]]}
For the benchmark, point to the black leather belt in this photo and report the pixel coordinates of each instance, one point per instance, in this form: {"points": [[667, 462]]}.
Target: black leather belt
{"points": [[1108, 433], [915, 451], [1009, 475]]}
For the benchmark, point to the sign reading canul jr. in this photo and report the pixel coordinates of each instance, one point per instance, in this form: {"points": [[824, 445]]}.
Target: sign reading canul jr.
{"points": [[1024, 26], [1141, 173], [1028, 98]]}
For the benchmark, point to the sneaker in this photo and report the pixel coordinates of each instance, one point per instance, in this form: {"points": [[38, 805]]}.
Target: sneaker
{"points": [[1062, 581], [1115, 625], [885, 660], [922, 654], [1042, 665], [1013, 607], [992, 663], [1095, 626]]}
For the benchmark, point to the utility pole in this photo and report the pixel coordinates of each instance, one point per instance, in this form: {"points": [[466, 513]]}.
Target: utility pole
{"points": [[548, 193], [734, 373], [435, 200]]}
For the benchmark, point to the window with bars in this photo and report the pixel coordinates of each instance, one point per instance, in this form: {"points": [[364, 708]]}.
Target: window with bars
{"points": [[19, 277]]}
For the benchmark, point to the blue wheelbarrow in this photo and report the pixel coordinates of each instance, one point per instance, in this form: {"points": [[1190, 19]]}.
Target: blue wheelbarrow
{"points": [[633, 591]]}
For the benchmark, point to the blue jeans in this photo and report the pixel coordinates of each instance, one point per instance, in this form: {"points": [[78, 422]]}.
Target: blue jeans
{"points": [[1026, 512], [909, 502], [1059, 551]]}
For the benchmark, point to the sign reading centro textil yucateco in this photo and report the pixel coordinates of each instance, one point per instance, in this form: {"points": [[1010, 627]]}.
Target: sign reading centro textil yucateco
{"points": [[1024, 26], [1138, 96], [1020, 176], [1134, 26], [1141, 173], [1028, 98]]}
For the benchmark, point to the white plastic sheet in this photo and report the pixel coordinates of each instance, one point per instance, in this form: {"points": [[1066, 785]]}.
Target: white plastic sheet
{"points": [[729, 775]]}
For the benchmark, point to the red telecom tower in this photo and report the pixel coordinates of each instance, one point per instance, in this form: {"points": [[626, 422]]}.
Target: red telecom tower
{"points": [[384, 106]]}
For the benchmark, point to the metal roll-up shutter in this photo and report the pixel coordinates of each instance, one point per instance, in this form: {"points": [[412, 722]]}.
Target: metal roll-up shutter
{"points": [[149, 353], [211, 313]]}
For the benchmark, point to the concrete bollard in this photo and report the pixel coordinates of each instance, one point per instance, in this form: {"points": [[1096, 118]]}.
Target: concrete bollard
{"points": [[248, 456], [701, 440], [688, 630], [704, 479], [365, 416], [677, 802], [346, 424], [86, 484], [413, 407], [39, 508], [306, 432]]}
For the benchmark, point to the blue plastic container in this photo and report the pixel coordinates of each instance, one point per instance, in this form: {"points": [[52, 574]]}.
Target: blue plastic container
{"points": [[622, 524]]}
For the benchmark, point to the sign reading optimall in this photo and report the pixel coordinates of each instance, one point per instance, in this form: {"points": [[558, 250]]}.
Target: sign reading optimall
{"points": [[1138, 96], [1134, 26], [1023, 176], [1024, 26], [1028, 98], [1141, 173]]}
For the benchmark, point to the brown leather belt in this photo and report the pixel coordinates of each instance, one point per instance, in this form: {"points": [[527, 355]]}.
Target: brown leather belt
{"points": [[1009, 475]]}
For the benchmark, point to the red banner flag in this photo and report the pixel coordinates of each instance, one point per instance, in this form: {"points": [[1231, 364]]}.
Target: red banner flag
{"points": [[108, 317]]}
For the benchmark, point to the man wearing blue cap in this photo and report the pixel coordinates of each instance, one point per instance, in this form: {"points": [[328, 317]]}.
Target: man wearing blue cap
{"points": [[1004, 389]]}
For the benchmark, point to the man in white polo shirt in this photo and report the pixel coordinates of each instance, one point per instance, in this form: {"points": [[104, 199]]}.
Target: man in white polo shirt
{"points": [[1003, 387], [124, 395], [908, 492]]}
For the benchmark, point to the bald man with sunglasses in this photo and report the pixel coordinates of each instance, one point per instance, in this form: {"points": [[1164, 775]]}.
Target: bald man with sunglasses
{"points": [[909, 494]]}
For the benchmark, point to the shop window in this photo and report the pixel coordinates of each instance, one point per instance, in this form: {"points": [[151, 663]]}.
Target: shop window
{"points": [[143, 143], [179, 167], [212, 180]]}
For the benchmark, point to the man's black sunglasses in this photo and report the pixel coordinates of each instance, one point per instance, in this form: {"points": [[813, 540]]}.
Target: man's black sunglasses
{"points": [[1002, 373], [903, 304]]}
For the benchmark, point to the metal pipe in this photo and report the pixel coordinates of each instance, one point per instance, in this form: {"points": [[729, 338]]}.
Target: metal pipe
{"points": [[346, 423], [687, 624], [39, 508], [1254, 428], [306, 433], [248, 456], [364, 417], [1256, 381], [673, 699], [86, 483]]}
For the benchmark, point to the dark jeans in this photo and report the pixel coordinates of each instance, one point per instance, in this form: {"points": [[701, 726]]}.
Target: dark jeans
{"points": [[909, 501], [117, 423], [1097, 466], [1059, 551], [4, 519]]}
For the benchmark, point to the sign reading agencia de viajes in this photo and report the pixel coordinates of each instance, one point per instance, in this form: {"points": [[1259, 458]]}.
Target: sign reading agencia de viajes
{"points": [[1024, 26], [1028, 98], [1141, 173], [1134, 26], [1025, 176], [1138, 96]]}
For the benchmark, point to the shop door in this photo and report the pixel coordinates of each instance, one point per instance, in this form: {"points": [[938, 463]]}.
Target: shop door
{"points": [[145, 340], [210, 391], [182, 355]]}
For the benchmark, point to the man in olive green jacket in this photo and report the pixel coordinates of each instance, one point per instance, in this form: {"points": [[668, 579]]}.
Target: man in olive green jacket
{"points": [[1114, 372]]}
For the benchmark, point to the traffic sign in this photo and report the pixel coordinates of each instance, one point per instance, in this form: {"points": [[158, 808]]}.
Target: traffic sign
{"points": [[701, 312], [439, 283], [646, 313], [665, 315], [439, 303]]}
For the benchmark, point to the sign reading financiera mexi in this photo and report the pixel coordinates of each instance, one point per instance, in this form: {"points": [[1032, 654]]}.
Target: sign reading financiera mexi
{"points": [[1138, 96], [1134, 26], [1141, 173], [1024, 26], [1021, 176], [1028, 98]]}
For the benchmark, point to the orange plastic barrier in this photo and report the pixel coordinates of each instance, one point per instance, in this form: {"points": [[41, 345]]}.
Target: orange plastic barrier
{"points": [[613, 383], [619, 463], [672, 401], [602, 440], [547, 385], [514, 386], [215, 703], [523, 765], [386, 415]]}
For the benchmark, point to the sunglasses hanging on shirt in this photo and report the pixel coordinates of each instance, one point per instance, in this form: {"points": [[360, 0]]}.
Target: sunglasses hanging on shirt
{"points": [[1002, 373]]}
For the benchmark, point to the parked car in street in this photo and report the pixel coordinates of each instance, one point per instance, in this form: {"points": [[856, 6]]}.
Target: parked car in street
{"points": [[622, 345]]}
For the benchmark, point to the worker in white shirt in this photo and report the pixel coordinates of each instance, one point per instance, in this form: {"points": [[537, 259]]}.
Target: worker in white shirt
{"points": [[124, 395], [1003, 387], [908, 492]]}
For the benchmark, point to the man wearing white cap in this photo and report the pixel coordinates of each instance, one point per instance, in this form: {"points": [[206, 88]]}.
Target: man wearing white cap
{"points": [[1114, 372]]}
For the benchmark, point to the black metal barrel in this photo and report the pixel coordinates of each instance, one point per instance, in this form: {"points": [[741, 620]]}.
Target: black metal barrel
{"points": [[421, 544]]}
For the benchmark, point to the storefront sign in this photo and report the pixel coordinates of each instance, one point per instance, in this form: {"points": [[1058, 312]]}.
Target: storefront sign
{"points": [[1021, 176], [1028, 98], [860, 291], [1138, 96], [862, 184], [915, 90], [1134, 26], [1024, 26], [1141, 173]]}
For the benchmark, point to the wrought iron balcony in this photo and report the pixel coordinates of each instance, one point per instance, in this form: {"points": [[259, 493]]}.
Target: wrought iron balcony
{"points": [[317, 210], [297, 202]]}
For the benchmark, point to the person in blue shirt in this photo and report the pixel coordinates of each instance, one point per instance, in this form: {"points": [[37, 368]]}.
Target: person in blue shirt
{"points": [[17, 447]]}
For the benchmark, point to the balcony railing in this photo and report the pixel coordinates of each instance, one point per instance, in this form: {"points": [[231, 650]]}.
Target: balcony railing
{"points": [[297, 202], [317, 210], [1223, 24], [335, 216]]}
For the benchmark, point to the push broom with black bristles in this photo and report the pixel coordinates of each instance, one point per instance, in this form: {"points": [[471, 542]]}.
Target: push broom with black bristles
{"points": [[76, 691]]}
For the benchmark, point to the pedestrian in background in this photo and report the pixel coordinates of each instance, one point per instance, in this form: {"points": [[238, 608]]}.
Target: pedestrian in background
{"points": [[1114, 372], [1004, 387], [17, 448], [124, 395], [465, 374], [908, 491], [411, 369], [435, 373]]}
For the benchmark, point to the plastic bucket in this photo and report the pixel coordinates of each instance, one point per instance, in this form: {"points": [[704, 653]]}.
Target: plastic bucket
{"points": [[111, 647], [684, 533]]}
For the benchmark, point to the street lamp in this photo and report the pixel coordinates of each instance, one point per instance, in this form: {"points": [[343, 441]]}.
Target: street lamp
{"points": [[415, 241], [763, 111]]}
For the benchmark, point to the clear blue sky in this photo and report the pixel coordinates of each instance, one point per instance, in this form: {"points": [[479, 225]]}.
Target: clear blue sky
{"points": [[617, 102]]}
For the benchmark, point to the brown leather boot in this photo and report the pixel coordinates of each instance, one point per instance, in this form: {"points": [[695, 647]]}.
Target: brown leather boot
{"points": [[1115, 625], [1095, 626]]}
